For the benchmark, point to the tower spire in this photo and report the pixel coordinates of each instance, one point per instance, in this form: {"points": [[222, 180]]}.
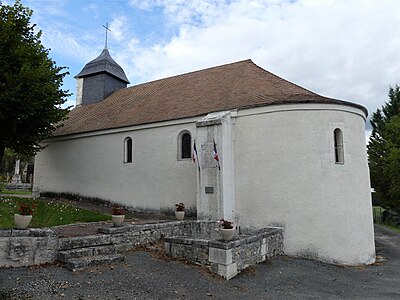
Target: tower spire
{"points": [[107, 29]]}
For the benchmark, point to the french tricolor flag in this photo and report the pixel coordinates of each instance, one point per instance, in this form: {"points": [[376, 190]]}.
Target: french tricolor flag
{"points": [[194, 155], [215, 151]]}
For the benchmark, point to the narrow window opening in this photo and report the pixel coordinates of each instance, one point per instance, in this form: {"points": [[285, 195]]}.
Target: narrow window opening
{"points": [[128, 150], [339, 153], [186, 143]]}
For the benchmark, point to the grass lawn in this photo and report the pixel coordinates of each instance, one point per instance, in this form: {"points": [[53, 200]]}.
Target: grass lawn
{"points": [[14, 192], [377, 212], [391, 227], [47, 213]]}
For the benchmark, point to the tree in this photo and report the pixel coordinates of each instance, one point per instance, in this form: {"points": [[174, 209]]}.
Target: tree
{"points": [[30, 84], [384, 150]]}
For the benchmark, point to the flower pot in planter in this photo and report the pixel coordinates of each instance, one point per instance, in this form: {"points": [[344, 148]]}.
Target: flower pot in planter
{"points": [[227, 234], [179, 215], [22, 221], [118, 220]]}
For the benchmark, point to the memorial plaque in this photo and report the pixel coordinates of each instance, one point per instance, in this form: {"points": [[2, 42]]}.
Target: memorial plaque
{"points": [[209, 190], [208, 155]]}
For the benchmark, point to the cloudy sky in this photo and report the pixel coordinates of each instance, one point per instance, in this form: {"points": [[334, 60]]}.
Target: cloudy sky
{"points": [[345, 49]]}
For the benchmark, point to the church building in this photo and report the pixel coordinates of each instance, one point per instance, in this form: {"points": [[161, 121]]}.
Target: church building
{"points": [[266, 152]]}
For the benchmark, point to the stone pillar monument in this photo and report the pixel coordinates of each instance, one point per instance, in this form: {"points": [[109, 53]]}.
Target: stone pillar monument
{"points": [[215, 185], [17, 175]]}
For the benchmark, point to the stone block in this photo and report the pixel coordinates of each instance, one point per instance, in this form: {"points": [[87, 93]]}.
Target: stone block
{"points": [[113, 230], [201, 243], [5, 232], [21, 251], [41, 242], [228, 271], [74, 253], [124, 247], [220, 256], [202, 257], [167, 247], [52, 243], [41, 232], [85, 241], [120, 238], [221, 245], [19, 232], [263, 249], [147, 232], [85, 262], [45, 256]]}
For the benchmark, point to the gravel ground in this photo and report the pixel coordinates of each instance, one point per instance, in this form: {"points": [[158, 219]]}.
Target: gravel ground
{"points": [[149, 275]]}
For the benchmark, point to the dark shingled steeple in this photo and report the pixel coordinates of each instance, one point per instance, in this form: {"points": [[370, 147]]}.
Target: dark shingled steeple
{"points": [[99, 79], [103, 63]]}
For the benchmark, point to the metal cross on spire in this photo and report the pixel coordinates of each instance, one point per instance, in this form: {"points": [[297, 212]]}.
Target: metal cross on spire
{"points": [[107, 29]]}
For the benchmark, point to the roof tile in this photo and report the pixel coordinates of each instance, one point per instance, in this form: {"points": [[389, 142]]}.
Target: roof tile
{"points": [[233, 86]]}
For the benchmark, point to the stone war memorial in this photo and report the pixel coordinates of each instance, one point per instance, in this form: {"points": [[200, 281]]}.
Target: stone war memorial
{"points": [[232, 142]]}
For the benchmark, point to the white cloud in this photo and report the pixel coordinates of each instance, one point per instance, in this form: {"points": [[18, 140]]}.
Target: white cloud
{"points": [[342, 49], [117, 27], [184, 12], [93, 8], [60, 42], [46, 8], [144, 4]]}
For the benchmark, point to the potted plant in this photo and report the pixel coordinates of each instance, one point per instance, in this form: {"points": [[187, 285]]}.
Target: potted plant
{"points": [[118, 215], [180, 211], [24, 217], [227, 230]]}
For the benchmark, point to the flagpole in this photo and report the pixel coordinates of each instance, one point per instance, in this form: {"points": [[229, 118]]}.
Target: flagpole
{"points": [[195, 156], [216, 157]]}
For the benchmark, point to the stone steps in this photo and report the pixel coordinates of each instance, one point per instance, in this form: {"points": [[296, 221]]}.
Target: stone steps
{"points": [[65, 255], [83, 241], [83, 252], [81, 263]]}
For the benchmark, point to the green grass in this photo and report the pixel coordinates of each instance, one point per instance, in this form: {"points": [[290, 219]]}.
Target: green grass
{"points": [[377, 211], [13, 192], [47, 213], [391, 227]]}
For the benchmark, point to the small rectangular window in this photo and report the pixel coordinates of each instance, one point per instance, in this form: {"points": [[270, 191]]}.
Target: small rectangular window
{"points": [[128, 150], [338, 140]]}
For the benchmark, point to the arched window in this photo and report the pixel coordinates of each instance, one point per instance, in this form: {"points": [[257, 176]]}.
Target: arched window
{"points": [[128, 150], [338, 140], [184, 145]]}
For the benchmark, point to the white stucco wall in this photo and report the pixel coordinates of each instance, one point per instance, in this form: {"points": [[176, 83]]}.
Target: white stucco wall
{"points": [[93, 166], [286, 174]]}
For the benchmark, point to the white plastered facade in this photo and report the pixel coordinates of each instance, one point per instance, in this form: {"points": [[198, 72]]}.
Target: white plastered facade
{"points": [[279, 169], [285, 174], [92, 165]]}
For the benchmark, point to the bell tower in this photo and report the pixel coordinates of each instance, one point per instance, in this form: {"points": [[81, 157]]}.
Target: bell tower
{"points": [[99, 79]]}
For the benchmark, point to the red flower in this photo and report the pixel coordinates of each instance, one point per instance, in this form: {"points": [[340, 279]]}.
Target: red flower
{"points": [[26, 209], [117, 211], [180, 207]]}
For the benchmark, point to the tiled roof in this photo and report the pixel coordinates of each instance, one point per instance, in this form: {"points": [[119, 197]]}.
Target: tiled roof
{"points": [[233, 86]]}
